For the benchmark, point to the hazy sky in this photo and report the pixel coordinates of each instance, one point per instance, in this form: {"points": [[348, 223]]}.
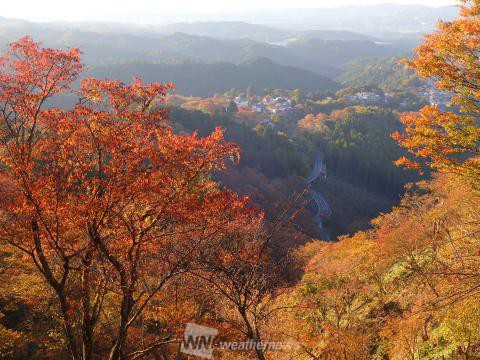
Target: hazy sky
{"points": [[142, 10]]}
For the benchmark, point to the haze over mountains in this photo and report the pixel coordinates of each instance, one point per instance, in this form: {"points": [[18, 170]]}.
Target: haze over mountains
{"points": [[360, 18], [366, 19], [196, 55]]}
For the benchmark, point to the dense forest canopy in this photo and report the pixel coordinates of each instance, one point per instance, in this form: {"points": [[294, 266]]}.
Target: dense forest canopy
{"points": [[389, 74], [200, 79]]}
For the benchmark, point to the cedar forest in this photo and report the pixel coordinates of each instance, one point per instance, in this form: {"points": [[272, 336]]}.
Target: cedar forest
{"points": [[124, 216]]}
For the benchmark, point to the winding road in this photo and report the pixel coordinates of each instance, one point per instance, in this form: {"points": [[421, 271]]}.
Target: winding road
{"points": [[323, 208], [319, 169]]}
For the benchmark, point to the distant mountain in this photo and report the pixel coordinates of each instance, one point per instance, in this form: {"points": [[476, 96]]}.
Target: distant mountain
{"points": [[336, 51], [200, 79], [242, 30], [320, 56], [342, 35], [226, 30], [364, 19], [319, 51], [374, 19]]}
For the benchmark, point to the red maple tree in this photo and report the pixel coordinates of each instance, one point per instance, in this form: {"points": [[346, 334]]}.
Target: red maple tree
{"points": [[107, 201]]}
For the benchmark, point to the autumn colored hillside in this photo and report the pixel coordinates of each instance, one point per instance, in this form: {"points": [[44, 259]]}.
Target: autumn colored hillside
{"points": [[405, 290], [408, 288]]}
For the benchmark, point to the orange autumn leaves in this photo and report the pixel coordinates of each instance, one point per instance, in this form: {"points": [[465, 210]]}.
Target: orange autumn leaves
{"points": [[448, 141], [104, 198], [439, 138], [114, 147]]}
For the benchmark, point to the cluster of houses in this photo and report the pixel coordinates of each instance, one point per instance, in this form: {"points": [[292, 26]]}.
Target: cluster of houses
{"points": [[268, 104], [366, 98], [429, 93]]}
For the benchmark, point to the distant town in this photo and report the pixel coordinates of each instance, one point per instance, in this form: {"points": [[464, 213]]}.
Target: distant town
{"points": [[294, 105]]}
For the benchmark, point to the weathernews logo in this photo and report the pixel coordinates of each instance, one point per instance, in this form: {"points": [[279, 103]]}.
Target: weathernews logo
{"points": [[198, 340]]}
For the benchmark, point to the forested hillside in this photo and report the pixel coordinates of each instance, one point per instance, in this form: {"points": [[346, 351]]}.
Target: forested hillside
{"points": [[389, 74], [360, 185], [358, 148], [200, 79], [407, 289], [320, 52]]}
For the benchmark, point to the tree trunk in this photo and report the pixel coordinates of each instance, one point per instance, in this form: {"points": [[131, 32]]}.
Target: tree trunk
{"points": [[251, 335], [117, 351], [58, 286], [88, 321], [72, 344]]}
